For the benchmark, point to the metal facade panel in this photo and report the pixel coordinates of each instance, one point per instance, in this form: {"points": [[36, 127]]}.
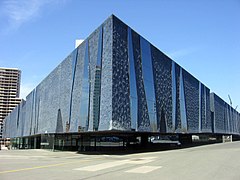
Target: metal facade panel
{"points": [[191, 90], [117, 80], [143, 121], [105, 121], [93, 57], [77, 90], [121, 119], [162, 67], [132, 83]]}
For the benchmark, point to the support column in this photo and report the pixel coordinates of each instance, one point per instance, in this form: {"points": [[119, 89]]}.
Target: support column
{"points": [[144, 140], [185, 139]]}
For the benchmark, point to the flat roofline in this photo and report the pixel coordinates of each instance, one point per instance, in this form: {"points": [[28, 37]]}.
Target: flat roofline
{"points": [[9, 68]]}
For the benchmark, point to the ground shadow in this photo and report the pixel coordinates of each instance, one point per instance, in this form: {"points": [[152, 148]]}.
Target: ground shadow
{"points": [[140, 149]]}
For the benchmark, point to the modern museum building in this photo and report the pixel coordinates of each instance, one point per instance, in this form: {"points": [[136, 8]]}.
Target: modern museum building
{"points": [[116, 86]]}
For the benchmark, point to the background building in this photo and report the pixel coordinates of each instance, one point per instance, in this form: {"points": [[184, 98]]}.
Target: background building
{"points": [[9, 94], [115, 81]]}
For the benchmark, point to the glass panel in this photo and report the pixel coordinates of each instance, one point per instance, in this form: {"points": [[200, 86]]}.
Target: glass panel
{"points": [[96, 98], [74, 63], [84, 103], [200, 107], [94, 44], [143, 121], [97, 84], [133, 88], [182, 104], [148, 82], [174, 96]]}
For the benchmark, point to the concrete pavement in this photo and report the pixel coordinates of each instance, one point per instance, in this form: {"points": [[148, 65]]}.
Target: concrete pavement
{"points": [[217, 161]]}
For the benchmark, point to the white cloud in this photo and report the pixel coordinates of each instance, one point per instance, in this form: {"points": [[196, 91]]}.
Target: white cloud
{"points": [[19, 12]]}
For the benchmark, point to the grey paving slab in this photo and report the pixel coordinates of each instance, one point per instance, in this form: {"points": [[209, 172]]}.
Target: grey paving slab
{"points": [[218, 161]]}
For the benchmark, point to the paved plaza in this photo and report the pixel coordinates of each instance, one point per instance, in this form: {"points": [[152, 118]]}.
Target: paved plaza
{"points": [[217, 161]]}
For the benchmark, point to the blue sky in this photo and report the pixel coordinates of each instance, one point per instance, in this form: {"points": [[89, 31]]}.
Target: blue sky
{"points": [[202, 36]]}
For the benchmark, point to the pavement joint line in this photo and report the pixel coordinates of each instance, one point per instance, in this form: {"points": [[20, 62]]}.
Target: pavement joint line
{"points": [[144, 169], [44, 166], [111, 164]]}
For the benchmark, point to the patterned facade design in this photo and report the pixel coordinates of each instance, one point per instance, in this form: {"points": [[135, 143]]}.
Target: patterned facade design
{"points": [[121, 119], [105, 120], [117, 80], [226, 119], [143, 121], [205, 113], [93, 53], [191, 89], [162, 70], [76, 92]]}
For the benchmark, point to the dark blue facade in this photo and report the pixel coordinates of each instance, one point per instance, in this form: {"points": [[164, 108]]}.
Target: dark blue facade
{"points": [[225, 118], [117, 80]]}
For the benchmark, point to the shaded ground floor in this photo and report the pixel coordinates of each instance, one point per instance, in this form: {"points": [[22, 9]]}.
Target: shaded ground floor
{"points": [[101, 141]]}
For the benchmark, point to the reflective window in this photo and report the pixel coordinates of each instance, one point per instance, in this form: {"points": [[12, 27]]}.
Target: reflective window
{"points": [[74, 64], [174, 96], [133, 88], [143, 121], [148, 82], [182, 103], [200, 107], [84, 103], [97, 84]]}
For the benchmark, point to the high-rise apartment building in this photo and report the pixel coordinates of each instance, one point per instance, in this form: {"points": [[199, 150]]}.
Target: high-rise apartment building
{"points": [[9, 93]]}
